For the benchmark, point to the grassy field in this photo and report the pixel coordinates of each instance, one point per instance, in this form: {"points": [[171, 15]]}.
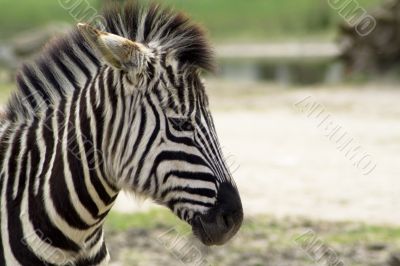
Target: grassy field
{"points": [[147, 220], [18, 16], [158, 238], [226, 19], [333, 233], [5, 92]]}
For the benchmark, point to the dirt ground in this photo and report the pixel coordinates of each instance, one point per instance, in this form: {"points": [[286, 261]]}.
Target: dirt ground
{"points": [[284, 163]]}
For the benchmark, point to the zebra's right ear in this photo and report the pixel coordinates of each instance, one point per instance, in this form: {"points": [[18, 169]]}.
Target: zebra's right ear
{"points": [[117, 51]]}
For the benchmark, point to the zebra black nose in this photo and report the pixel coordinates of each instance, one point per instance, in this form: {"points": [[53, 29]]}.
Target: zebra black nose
{"points": [[222, 221]]}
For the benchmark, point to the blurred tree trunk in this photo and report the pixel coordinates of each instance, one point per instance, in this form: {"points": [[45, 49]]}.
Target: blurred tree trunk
{"points": [[379, 51]]}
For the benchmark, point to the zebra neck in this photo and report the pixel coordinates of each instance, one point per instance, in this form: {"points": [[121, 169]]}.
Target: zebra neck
{"points": [[53, 194], [80, 190], [118, 125]]}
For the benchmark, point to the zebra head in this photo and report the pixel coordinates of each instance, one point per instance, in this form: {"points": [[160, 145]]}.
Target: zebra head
{"points": [[170, 151]]}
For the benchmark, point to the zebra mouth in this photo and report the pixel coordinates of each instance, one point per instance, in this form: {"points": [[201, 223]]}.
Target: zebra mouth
{"points": [[200, 232], [217, 232], [222, 221]]}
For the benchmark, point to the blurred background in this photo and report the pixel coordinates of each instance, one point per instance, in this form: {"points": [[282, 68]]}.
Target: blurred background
{"points": [[306, 104]]}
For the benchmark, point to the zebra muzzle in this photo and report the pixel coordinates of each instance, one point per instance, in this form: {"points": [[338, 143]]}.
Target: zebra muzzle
{"points": [[221, 222]]}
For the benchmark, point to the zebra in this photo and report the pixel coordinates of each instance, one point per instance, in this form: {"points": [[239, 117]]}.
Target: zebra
{"points": [[117, 106]]}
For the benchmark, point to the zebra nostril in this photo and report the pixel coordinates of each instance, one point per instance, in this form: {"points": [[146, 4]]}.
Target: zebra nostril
{"points": [[226, 221]]}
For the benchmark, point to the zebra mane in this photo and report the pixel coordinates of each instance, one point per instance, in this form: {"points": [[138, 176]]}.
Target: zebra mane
{"points": [[54, 72]]}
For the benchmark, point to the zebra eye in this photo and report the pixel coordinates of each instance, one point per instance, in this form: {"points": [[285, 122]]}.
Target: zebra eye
{"points": [[183, 124], [187, 126]]}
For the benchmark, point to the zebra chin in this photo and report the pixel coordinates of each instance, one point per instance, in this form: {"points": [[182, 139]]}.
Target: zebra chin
{"points": [[221, 222]]}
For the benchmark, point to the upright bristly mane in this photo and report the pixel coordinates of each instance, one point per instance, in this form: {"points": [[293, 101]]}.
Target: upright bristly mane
{"points": [[54, 73]]}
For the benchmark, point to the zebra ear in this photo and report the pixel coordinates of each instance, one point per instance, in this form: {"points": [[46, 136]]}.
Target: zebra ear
{"points": [[119, 52]]}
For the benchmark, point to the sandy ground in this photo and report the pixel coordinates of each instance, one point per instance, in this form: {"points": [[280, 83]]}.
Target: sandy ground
{"points": [[283, 163]]}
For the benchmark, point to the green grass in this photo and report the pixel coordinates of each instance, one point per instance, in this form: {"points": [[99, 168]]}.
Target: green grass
{"points": [[136, 239], [264, 19], [147, 220], [280, 233], [5, 92], [225, 19], [366, 234], [23, 15]]}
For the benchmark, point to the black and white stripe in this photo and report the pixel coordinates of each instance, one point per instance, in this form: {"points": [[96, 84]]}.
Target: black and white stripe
{"points": [[79, 130]]}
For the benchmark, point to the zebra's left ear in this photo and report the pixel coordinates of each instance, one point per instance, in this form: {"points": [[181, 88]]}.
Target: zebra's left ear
{"points": [[119, 52]]}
